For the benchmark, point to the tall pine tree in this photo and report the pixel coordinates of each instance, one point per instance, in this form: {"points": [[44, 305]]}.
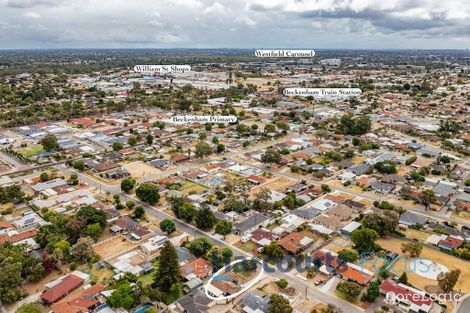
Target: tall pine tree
{"points": [[168, 272]]}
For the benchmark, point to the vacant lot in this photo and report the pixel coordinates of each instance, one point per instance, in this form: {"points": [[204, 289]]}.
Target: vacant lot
{"points": [[278, 184], [113, 247], [451, 262], [30, 151], [190, 188], [140, 169]]}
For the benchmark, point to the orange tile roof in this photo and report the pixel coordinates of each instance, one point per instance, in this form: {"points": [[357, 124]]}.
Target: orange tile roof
{"points": [[19, 237], [290, 243], [355, 275], [198, 267]]}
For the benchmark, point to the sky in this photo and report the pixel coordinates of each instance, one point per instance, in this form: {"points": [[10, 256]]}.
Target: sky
{"points": [[335, 24]]}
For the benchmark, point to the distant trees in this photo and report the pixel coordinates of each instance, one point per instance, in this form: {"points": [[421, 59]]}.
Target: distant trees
{"points": [[386, 167], [82, 250], [79, 165], [349, 289], [148, 193], [168, 226], [132, 140], [49, 143], [427, 197], [139, 212], [117, 146], [44, 176], [373, 291], [203, 149], [271, 156], [350, 125], [149, 139]]}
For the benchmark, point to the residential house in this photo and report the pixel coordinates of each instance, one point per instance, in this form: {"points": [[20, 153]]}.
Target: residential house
{"points": [[356, 273], [450, 243], [196, 268], [250, 224], [405, 297], [86, 301], [62, 287], [295, 242]]}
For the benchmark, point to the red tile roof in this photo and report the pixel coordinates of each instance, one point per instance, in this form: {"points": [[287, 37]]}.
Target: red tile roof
{"points": [[19, 237], [260, 234], [68, 284], [404, 293], [82, 303], [451, 242]]}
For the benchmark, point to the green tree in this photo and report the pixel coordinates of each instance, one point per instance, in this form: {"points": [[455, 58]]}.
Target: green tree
{"points": [[93, 230], [79, 165], [427, 197], [447, 281], [132, 140], [148, 193], [383, 223], [44, 176], [149, 139], [273, 250], [168, 271], [364, 240], [348, 255], [127, 184], [413, 248], [199, 247], [82, 250], [122, 297], [139, 212], [168, 226], [29, 308], [271, 156], [349, 289], [403, 279], [117, 146], [282, 283], [220, 148], [373, 291], [203, 149], [223, 228], [205, 218], [279, 304], [49, 143]]}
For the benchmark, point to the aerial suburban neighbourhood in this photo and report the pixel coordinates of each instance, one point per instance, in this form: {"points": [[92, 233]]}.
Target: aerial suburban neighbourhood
{"points": [[234, 180]]}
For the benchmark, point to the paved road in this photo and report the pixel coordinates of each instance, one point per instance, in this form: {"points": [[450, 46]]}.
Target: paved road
{"points": [[464, 306], [294, 281], [418, 209]]}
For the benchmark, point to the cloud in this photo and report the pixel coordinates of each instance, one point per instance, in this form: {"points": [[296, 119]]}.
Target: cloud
{"points": [[31, 15], [216, 8], [235, 23]]}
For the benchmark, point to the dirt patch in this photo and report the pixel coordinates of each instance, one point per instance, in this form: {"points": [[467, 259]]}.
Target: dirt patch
{"points": [[451, 262], [113, 247], [278, 184], [140, 169]]}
